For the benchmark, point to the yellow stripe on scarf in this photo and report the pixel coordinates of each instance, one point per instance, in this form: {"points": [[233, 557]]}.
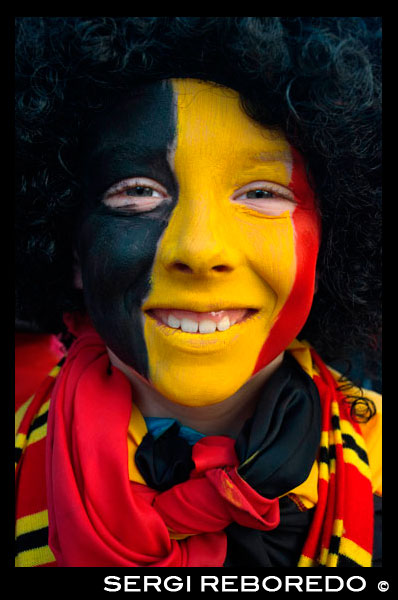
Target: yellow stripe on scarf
{"points": [[35, 558], [355, 552], [20, 413], [32, 555], [32, 522], [136, 432]]}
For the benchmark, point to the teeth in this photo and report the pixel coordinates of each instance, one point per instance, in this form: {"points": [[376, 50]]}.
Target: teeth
{"points": [[189, 326], [207, 326], [224, 324], [173, 322]]}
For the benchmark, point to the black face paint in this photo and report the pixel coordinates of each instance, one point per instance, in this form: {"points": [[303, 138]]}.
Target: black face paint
{"points": [[117, 249]]}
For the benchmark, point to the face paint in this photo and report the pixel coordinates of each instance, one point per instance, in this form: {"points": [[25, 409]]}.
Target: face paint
{"points": [[224, 251], [229, 243], [116, 247]]}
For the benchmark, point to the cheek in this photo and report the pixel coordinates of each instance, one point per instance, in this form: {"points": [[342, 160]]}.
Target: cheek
{"points": [[296, 305], [117, 257], [271, 252], [294, 312]]}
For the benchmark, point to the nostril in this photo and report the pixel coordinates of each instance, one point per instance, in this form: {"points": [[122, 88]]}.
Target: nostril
{"points": [[182, 267], [221, 268], [185, 268]]}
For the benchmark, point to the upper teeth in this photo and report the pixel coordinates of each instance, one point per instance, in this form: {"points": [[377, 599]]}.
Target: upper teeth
{"points": [[205, 326]]}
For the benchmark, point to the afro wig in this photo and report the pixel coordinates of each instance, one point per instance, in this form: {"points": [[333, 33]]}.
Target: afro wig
{"points": [[318, 78]]}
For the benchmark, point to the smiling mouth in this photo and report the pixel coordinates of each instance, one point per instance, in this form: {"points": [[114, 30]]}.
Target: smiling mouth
{"points": [[201, 322]]}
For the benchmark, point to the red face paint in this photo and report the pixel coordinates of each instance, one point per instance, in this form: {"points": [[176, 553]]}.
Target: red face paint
{"points": [[307, 231]]}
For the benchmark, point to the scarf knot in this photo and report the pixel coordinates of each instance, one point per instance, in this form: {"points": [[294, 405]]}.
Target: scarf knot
{"points": [[164, 461], [216, 495]]}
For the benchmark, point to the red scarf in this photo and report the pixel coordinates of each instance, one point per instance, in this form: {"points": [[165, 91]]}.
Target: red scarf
{"points": [[97, 517], [117, 522], [341, 533]]}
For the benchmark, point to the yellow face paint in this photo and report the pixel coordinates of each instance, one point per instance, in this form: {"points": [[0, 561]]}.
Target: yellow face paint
{"points": [[219, 250]]}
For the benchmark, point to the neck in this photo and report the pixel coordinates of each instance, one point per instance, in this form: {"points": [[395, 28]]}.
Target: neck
{"points": [[224, 418]]}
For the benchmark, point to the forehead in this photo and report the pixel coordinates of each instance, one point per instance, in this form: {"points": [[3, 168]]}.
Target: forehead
{"points": [[212, 115], [151, 117], [215, 134], [140, 118]]}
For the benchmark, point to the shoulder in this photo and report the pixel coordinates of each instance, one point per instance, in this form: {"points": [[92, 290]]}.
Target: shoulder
{"points": [[35, 356], [371, 431]]}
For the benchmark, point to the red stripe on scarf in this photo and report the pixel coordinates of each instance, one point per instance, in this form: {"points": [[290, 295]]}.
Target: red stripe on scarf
{"points": [[347, 494], [359, 514]]}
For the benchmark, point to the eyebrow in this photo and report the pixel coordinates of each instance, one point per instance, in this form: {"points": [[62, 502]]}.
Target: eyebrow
{"points": [[130, 151], [269, 156], [112, 162]]}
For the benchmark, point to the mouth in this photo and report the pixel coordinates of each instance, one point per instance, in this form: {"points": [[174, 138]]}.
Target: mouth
{"points": [[200, 322]]}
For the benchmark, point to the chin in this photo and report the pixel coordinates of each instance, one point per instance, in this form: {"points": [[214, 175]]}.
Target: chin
{"points": [[202, 393]]}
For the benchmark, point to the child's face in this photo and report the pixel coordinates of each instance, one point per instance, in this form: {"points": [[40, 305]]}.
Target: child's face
{"points": [[198, 240]]}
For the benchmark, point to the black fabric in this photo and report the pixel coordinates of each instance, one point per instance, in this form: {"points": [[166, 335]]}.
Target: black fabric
{"points": [[282, 546], [279, 547], [377, 540], [282, 438], [165, 461]]}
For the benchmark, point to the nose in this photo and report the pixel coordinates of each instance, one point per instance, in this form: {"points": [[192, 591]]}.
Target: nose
{"points": [[185, 268], [198, 242]]}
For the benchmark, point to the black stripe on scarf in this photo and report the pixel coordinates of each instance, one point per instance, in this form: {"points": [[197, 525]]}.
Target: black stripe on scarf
{"points": [[349, 442], [18, 454], [344, 561], [326, 454], [31, 540], [38, 422], [334, 544]]}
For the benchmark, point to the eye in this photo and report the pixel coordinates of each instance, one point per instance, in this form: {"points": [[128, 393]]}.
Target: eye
{"points": [[265, 197], [260, 194], [135, 195]]}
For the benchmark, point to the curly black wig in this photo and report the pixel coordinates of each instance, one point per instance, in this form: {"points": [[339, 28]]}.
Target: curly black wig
{"points": [[319, 78]]}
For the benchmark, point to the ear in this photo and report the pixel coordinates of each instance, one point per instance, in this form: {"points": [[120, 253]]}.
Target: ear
{"points": [[77, 272]]}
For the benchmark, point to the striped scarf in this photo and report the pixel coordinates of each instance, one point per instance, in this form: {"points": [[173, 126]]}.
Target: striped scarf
{"points": [[341, 533]]}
